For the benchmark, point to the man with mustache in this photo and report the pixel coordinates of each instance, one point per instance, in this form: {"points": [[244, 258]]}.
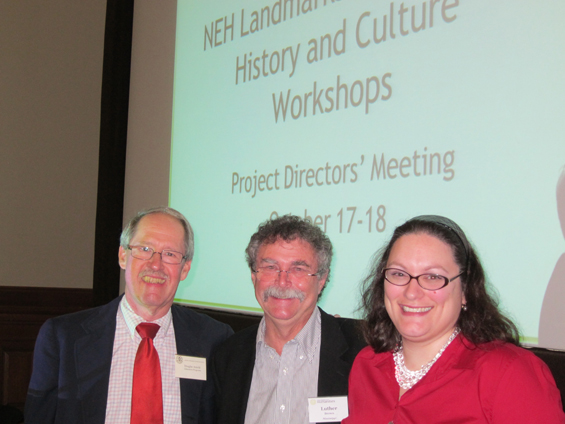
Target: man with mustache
{"points": [[83, 369], [268, 373]]}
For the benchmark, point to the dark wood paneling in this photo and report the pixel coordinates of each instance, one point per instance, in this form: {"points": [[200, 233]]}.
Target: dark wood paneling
{"points": [[42, 300], [16, 370], [236, 321], [22, 312]]}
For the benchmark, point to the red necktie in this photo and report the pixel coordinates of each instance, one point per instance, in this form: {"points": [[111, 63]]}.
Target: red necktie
{"points": [[147, 394]]}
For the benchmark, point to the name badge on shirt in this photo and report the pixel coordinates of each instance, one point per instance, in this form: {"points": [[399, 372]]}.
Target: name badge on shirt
{"points": [[327, 409], [191, 367]]}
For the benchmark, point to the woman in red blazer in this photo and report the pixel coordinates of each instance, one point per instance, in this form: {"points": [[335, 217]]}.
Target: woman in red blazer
{"points": [[439, 349]]}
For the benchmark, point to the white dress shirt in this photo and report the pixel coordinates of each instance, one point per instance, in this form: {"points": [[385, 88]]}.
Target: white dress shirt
{"points": [[281, 385], [126, 342]]}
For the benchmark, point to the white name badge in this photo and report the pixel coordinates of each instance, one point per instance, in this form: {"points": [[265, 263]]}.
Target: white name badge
{"points": [[191, 367], [327, 409]]}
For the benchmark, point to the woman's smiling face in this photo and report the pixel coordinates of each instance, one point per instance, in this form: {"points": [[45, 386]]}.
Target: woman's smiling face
{"points": [[423, 316]]}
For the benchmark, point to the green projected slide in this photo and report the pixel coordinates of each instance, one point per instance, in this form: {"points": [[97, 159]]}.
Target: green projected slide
{"points": [[360, 115]]}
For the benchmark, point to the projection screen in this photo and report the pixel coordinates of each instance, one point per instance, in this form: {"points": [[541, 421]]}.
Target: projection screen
{"points": [[362, 114]]}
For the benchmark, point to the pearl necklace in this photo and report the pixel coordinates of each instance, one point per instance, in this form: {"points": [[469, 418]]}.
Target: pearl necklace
{"points": [[406, 378]]}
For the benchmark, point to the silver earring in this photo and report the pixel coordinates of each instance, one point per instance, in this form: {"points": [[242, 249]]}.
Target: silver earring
{"points": [[464, 307]]}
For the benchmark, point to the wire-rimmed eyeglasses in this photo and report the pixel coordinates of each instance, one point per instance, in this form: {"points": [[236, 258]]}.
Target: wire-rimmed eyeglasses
{"points": [[167, 256], [295, 273]]}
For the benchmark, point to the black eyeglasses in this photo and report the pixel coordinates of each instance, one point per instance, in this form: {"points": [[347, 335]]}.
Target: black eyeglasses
{"points": [[426, 281], [167, 256]]}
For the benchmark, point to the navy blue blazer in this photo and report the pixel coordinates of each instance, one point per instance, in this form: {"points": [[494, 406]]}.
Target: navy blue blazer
{"points": [[233, 363], [73, 355]]}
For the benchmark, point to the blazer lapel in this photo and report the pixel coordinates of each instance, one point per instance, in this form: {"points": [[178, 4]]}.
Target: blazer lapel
{"points": [[187, 341], [93, 358], [334, 368], [233, 374], [243, 370]]}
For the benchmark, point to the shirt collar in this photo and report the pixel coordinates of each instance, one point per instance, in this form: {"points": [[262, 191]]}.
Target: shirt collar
{"points": [[308, 338], [132, 320]]}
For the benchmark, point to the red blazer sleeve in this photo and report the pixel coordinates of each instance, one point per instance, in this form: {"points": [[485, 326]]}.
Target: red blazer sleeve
{"points": [[521, 391]]}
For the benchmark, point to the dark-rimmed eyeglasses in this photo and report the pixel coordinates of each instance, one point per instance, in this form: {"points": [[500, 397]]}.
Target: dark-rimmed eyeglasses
{"points": [[399, 277], [295, 273], [167, 256]]}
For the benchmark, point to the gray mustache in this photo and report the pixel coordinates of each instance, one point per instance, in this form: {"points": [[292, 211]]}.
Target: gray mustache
{"points": [[283, 293]]}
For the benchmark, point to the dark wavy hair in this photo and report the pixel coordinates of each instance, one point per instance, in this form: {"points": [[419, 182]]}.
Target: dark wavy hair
{"points": [[482, 321], [289, 228]]}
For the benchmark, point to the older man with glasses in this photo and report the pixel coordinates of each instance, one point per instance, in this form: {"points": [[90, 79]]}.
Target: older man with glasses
{"points": [[293, 367], [117, 363]]}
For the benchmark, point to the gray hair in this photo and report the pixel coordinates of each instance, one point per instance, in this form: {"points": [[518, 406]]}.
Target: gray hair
{"points": [[131, 228], [289, 228]]}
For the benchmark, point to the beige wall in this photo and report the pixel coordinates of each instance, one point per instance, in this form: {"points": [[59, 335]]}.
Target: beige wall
{"points": [[50, 84], [150, 107]]}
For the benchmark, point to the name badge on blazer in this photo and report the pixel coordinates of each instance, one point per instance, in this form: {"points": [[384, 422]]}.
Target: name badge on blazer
{"points": [[327, 409], [191, 367]]}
